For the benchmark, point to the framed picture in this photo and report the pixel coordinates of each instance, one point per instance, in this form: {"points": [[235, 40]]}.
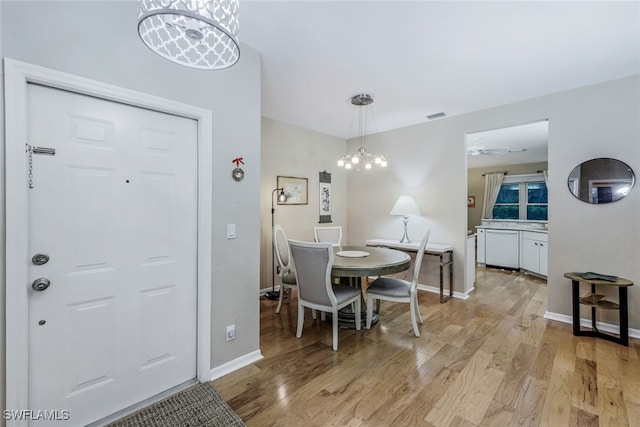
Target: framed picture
{"points": [[295, 189], [471, 201]]}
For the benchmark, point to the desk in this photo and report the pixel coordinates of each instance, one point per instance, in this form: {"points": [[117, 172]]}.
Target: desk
{"points": [[437, 249], [588, 300], [380, 261]]}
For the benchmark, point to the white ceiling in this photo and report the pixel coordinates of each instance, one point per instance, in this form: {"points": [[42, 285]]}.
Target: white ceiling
{"points": [[532, 138], [421, 57]]}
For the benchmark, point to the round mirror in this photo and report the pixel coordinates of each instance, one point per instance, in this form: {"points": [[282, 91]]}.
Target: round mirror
{"points": [[601, 180]]}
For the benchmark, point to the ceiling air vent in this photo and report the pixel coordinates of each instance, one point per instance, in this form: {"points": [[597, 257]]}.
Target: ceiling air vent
{"points": [[436, 115]]}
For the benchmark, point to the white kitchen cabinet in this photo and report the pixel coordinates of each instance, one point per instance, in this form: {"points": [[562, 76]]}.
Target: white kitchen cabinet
{"points": [[471, 263], [533, 252], [481, 246]]}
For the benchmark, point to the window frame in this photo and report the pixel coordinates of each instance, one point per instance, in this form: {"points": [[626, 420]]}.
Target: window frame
{"points": [[523, 200]]}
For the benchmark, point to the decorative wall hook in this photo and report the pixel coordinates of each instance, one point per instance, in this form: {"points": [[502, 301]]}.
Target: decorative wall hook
{"points": [[237, 174]]}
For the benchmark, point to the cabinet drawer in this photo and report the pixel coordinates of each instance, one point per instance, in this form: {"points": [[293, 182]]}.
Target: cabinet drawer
{"points": [[532, 235]]}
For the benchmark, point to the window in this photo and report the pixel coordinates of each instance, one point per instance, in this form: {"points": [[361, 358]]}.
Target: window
{"points": [[508, 203], [522, 197]]}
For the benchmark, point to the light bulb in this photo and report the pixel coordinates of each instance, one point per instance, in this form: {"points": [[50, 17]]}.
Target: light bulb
{"points": [[367, 166], [378, 160], [347, 166], [355, 159], [341, 162], [383, 163]]}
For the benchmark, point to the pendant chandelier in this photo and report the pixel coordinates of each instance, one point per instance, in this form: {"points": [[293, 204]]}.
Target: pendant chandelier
{"points": [[362, 158], [196, 33]]}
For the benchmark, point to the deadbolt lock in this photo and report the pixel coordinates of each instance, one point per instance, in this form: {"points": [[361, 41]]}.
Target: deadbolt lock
{"points": [[40, 259], [40, 284]]}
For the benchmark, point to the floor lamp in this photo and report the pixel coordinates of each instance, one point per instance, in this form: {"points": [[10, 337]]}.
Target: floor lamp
{"points": [[282, 197]]}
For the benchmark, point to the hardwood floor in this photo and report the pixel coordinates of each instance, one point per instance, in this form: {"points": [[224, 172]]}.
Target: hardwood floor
{"points": [[491, 360]]}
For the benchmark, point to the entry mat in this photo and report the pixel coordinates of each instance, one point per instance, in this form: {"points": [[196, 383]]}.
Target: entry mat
{"points": [[197, 406]]}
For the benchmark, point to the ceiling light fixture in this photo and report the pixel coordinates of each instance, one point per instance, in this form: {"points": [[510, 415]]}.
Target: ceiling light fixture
{"points": [[196, 33], [361, 105]]}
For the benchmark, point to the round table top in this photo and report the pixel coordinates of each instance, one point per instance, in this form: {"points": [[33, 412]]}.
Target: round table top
{"points": [[379, 262]]}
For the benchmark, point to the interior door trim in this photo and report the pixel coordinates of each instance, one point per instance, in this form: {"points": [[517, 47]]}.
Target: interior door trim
{"points": [[17, 77]]}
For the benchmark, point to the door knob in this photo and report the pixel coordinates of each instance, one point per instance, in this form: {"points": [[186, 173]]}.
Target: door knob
{"points": [[40, 284]]}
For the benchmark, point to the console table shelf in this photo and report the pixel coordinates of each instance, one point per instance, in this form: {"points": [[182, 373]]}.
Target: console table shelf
{"points": [[596, 301]]}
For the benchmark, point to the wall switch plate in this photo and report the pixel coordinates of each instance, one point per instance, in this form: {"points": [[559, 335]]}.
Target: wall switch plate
{"points": [[231, 231], [231, 332]]}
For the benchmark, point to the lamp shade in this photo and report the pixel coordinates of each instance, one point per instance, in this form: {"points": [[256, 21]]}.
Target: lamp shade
{"points": [[196, 33], [405, 206]]}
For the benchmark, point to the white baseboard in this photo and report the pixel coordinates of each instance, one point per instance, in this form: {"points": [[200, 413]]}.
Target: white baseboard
{"points": [[604, 327], [433, 289], [235, 364]]}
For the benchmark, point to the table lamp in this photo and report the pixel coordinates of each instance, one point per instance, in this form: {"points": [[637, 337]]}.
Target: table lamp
{"points": [[405, 206]]}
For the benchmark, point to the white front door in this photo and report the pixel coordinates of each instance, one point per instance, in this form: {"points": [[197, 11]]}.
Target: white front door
{"points": [[115, 210]]}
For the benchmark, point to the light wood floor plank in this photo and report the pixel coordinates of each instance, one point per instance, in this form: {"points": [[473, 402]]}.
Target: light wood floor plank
{"points": [[491, 360]]}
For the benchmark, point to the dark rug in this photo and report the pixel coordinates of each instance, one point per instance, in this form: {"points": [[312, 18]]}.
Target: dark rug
{"points": [[197, 406]]}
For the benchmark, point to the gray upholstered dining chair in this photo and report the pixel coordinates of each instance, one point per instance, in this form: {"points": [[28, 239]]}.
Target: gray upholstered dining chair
{"points": [[332, 235], [283, 255], [398, 290], [313, 263]]}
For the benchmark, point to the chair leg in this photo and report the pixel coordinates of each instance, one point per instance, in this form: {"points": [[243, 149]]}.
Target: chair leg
{"points": [[323, 316], [280, 298], [335, 329], [358, 318], [417, 306], [300, 320], [413, 310], [313, 314], [369, 310]]}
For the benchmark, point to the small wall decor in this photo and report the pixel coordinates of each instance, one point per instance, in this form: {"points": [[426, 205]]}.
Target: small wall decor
{"points": [[471, 201], [295, 189], [325, 197], [237, 174]]}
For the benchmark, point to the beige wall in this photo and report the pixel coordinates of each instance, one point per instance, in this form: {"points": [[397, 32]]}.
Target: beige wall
{"points": [[429, 161], [293, 151], [475, 186], [98, 40]]}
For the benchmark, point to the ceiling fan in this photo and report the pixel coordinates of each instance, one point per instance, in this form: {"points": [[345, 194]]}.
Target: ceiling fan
{"points": [[478, 150]]}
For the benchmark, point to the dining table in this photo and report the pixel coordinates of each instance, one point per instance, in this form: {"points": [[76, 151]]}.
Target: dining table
{"points": [[352, 263]]}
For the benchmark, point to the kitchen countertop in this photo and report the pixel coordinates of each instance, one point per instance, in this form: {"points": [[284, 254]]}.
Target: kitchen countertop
{"points": [[514, 227]]}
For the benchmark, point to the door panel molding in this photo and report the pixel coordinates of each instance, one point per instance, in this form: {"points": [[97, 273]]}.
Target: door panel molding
{"points": [[18, 75]]}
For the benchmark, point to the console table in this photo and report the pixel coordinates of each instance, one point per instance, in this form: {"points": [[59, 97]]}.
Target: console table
{"points": [[436, 249], [597, 301]]}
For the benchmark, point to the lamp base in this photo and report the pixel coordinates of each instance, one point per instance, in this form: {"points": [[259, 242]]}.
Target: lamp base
{"points": [[405, 236]]}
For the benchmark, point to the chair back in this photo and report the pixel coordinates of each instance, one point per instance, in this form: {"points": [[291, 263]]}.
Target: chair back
{"points": [[418, 262], [332, 235], [283, 255], [313, 263], [281, 246]]}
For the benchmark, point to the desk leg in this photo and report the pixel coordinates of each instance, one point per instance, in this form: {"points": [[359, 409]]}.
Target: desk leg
{"points": [[575, 302], [624, 315], [442, 265]]}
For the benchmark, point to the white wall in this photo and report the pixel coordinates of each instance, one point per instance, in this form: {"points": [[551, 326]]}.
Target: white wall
{"points": [[429, 162], [2, 238], [98, 40], [289, 150]]}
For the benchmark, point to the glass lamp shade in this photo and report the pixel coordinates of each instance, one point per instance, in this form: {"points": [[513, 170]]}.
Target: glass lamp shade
{"points": [[405, 206], [196, 33]]}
